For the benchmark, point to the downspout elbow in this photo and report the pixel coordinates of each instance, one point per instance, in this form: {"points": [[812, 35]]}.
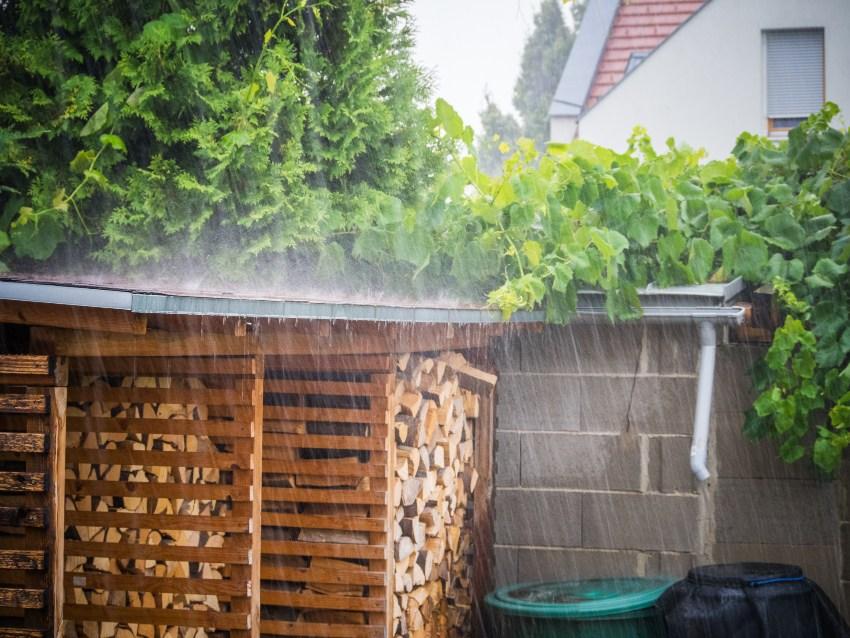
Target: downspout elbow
{"points": [[705, 389]]}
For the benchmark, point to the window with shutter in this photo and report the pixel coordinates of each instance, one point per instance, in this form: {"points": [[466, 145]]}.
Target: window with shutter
{"points": [[795, 76]]}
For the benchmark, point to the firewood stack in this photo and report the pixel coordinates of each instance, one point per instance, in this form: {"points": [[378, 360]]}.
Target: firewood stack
{"points": [[435, 481], [132, 505]]}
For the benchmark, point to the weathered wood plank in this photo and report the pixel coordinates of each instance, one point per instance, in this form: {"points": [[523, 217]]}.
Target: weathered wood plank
{"points": [[307, 495], [22, 598], [159, 395], [24, 364], [179, 617], [16, 632], [159, 521], [221, 461], [321, 521], [157, 585], [323, 441], [322, 601], [235, 429], [22, 481], [320, 630], [339, 363], [164, 366], [325, 388], [322, 575], [153, 344], [325, 550], [23, 403], [73, 317], [158, 490], [22, 517], [159, 552], [334, 467], [333, 415], [22, 442], [21, 559]]}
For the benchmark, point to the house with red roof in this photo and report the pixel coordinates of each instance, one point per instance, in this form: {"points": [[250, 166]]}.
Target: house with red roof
{"points": [[702, 71]]}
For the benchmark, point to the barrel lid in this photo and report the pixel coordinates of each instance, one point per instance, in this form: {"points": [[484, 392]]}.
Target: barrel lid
{"points": [[745, 574], [595, 598]]}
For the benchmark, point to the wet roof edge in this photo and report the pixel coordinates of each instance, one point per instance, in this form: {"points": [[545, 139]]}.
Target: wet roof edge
{"points": [[707, 302]]}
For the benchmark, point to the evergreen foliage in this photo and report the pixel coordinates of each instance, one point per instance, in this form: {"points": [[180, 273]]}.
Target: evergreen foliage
{"points": [[149, 130]]}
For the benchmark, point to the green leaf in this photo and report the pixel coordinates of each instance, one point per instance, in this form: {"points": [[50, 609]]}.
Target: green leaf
{"points": [[36, 236], [643, 228], [533, 252], [701, 258], [784, 231], [745, 254], [81, 162], [838, 199], [5, 242], [449, 119], [97, 121], [271, 80], [108, 139]]}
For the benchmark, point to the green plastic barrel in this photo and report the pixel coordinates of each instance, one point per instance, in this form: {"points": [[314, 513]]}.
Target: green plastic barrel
{"points": [[600, 608]]}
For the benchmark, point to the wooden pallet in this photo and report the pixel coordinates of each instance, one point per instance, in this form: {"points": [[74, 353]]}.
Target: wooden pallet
{"points": [[32, 440], [326, 546], [162, 494]]}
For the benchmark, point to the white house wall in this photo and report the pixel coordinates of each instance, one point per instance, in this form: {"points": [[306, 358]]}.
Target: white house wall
{"points": [[706, 84]]}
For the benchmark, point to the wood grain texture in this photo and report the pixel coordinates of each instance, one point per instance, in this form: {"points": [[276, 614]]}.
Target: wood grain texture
{"points": [[21, 559], [23, 403], [23, 442], [24, 364], [22, 481]]}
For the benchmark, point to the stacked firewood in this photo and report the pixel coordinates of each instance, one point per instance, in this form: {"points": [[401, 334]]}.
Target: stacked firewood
{"points": [[163, 506], [435, 480]]}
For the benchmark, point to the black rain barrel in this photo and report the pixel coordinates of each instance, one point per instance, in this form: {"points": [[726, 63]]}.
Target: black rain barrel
{"points": [[749, 600]]}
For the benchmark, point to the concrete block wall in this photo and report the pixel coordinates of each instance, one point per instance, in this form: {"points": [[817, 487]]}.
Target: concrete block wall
{"points": [[592, 469]]}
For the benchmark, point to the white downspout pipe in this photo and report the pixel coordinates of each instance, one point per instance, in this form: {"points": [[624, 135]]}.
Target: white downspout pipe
{"points": [[705, 388]]}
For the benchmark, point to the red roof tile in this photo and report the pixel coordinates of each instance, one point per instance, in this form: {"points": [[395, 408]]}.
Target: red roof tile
{"points": [[640, 26]]}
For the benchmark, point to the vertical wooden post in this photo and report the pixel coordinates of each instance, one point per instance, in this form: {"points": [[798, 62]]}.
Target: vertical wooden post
{"points": [[257, 501], [56, 494], [389, 556], [250, 604], [483, 538]]}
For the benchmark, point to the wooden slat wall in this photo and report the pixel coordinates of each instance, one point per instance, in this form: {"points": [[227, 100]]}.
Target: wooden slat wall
{"points": [[326, 545], [32, 440], [162, 508]]}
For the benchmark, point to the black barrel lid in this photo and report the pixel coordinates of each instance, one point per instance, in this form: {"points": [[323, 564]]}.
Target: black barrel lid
{"points": [[745, 574]]}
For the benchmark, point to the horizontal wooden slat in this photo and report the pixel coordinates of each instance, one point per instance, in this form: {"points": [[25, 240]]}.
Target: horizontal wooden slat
{"points": [[157, 585], [150, 457], [164, 366], [320, 630], [337, 363], [200, 491], [321, 521], [325, 550], [159, 521], [236, 429], [180, 617], [21, 482], [321, 575], [321, 601], [307, 495], [320, 441], [334, 467], [325, 388], [159, 552], [155, 343], [21, 559], [333, 415], [159, 395], [24, 364], [73, 317], [19, 632], [23, 403], [22, 598], [28, 442], [22, 517]]}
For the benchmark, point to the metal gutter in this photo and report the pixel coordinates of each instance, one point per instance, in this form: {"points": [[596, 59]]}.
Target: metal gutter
{"points": [[688, 304]]}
